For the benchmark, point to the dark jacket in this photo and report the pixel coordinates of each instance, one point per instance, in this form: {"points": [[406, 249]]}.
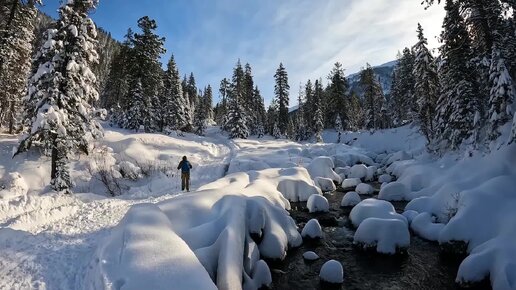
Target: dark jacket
{"points": [[185, 166]]}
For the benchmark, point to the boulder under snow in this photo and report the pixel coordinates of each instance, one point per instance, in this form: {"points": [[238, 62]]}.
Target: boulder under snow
{"points": [[374, 208], [317, 203], [388, 236]]}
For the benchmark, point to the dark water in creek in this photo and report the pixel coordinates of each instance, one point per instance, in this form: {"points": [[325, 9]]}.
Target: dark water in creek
{"points": [[423, 267]]}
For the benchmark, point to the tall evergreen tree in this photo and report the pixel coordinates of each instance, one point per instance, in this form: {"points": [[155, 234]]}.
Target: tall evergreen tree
{"points": [[456, 104], [338, 97], [61, 89], [318, 115], [16, 37], [374, 99], [176, 104], [281, 91], [403, 89], [426, 85]]}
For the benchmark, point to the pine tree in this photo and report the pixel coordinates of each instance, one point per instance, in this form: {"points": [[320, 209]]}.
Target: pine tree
{"points": [[176, 105], [373, 99], [338, 97], [338, 127], [310, 108], [456, 104], [136, 114], [318, 115], [300, 124], [281, 91], [221, 113], [16, 39], [403, 89], [356, 115], [426, 85], [236, 125], [61, 89]]}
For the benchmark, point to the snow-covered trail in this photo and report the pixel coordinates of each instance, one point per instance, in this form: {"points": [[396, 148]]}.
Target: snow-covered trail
{"points": [[47, 240]]}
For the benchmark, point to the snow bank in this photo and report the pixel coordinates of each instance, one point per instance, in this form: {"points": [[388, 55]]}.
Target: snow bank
{"points": [[325, 184], [244, 165], [364, 188], [312, 230], [394, 191], [13, 186], [317, 203], [217, 224], [370, 208], [323, 167], [350, 199], [332, 272], [350, 183], [389, 236], [424, 226]]}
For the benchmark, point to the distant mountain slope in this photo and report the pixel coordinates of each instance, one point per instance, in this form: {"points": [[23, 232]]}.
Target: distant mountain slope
{"points": [[384, 74]]}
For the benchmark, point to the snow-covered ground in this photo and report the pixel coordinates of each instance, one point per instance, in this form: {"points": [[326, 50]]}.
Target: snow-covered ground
{"points": [[241, 190]]}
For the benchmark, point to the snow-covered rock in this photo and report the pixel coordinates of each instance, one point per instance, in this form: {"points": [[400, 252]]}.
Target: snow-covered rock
{"points": [[325, 184], [394, 191], [364, 188], [389, 236], [371, 173], [385, 178], [13, 186], [310, 256], [370, 208], [332, 272], [350, 183], [398, 156], [410, 215], [343, 171], [323, 167], [424, 226], [260, 276], [351, 158], [350, 199], [358, 171], [317, 203], [296, 184], [312, 230], [244, 165]]}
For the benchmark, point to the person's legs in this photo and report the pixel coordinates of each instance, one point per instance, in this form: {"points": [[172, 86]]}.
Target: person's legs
{"points": [[183, 181], [187, 181]]}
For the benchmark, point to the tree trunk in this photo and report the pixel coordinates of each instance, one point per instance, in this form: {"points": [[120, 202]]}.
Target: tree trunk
{"points": [[53, 171]]}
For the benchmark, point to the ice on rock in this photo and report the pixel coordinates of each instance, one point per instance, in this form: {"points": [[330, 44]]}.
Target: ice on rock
{"points": [[374, 208], [358, 171], [317, 203], [394, 191], [310, 256], [312, 230], [410, 215], [364, 188], [387, 235], [323, 167], [424, 226], [385, 178], [325, 184], [351, 183], [332, 272], [350, 199]]}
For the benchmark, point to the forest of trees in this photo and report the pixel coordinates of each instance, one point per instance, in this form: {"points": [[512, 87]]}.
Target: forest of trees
{"points": [[59, 77]]}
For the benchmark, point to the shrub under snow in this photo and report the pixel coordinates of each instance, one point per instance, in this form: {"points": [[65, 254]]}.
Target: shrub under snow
{"points": [[317, 203], [350, 199], [370, 208], [12, 186], [387, 235]]}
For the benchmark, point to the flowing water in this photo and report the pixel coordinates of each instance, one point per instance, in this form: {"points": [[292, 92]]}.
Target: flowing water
{"points": [[423, 267]]}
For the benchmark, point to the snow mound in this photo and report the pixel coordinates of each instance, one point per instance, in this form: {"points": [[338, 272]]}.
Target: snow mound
{"points": [[296, 185], [424, 226], [385, 178], [244, 165], [312, 230], [212, 235], [350, 183], [410, 215], [350, 199], [317, 203], [310, 256], [343, 171], [325, 184], [358, 171], [129, 170], [13, 186], [394, 191], [374, 208], [389, 236], [332, 272], [371, 173], [352, 158], [364, 188], [495, 259], [143, 253], [398, 156], [323, 167]]}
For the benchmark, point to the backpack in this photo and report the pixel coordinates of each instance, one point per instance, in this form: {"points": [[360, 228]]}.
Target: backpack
{"points": [[185, 166]]}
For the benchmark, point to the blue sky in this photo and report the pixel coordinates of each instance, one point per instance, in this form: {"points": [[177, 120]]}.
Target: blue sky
{"points": [[208, 36]]}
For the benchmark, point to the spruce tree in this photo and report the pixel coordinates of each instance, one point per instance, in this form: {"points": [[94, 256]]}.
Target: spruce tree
{"points": [[374, 99], [16, 38], [338, 98], [309, 108], [62, 89], [236, 124], [403, 89], [338, 128], [281, 91], [426, 85], [318, 115], [456, 104], [176, 104]]}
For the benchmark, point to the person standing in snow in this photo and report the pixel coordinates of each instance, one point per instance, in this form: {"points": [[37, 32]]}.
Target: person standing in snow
{"points": [[185, 167]]}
